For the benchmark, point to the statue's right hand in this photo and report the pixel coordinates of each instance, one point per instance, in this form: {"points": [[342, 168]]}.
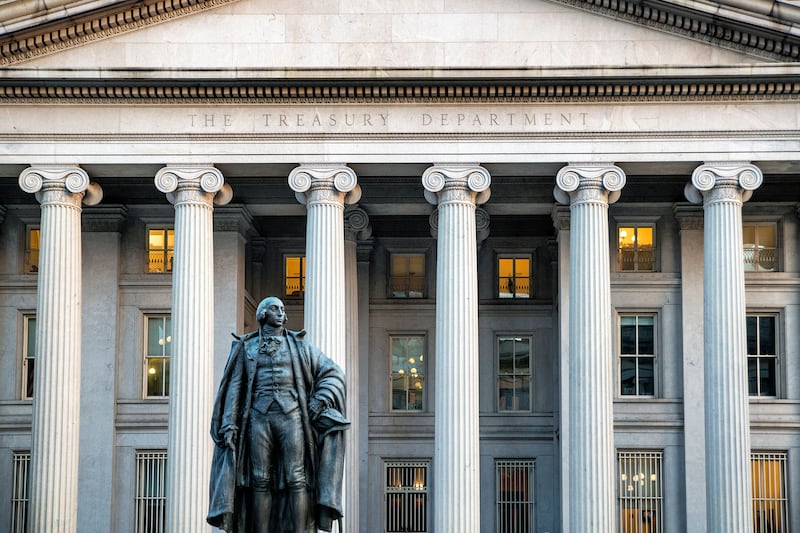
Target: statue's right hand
{"points": [[230, 438]]}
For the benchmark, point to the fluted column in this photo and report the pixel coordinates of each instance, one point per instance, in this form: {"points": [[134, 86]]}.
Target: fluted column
{"points": [[589, 189], [56, 399], [193, 190], [456, 462], [722, 188]]}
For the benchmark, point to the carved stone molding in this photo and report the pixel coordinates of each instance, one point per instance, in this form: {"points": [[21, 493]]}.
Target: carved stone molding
{"points": [[689, 217], [728, 181], [589, 182], [67, 185], [560, 216], [236, 218], [325, 184], [105, 218]]}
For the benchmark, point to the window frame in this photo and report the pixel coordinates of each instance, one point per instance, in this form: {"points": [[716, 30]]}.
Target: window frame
{"points": [[27, 250], [146, 357], [424, 490], [302, 278], [636, 223], [758, 357], [140, 499], [424, 374], [514, 295], [756, 223], [26, 357], [655, 356], [655, 456], [530, 338], [423, 277], [529, 464], [165, 228]]}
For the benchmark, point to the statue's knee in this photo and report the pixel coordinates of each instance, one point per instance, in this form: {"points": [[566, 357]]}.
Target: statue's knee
{"points": [[261, 482]]}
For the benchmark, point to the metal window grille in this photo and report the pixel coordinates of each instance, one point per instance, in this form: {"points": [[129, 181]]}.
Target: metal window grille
{"points": [[515, 496], [770, 502], [406, 496], [151, 497], [639, 492], [21, 492]]}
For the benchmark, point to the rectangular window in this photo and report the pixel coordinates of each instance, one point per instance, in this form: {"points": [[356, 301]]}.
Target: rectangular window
{"points": [[294, 276], [760, 247], [514, 501], [408, 372], [407, 277], [21, 492], [762, 355], [28, 355], [514, 373], [157, 356], [151, 498], [514, 276], [637, 355], [406, 496], [639, 492], [31, 259], [770, 502], [160, 249], [636, 250]]}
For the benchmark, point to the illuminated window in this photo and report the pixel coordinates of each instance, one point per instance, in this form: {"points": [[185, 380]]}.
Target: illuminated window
{"points": [[295, 276], [406, 491], [21, 492], [514, 501], [31, 261], [408, 372], [762, 355], [160, 250], [29, 355], [760, 247], [514, 374], [770, 501], [639, 492], [514, 276], [157, 357], [151, 497], [637, 355], [407, 278], [636, 248]]}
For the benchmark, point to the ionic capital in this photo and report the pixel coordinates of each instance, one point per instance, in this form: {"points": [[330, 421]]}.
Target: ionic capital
{"points": [[193, 184], [589, 183], [66, 185], [482, 224], [723, 182], [356, 224], [456, 183], [335, 185]]}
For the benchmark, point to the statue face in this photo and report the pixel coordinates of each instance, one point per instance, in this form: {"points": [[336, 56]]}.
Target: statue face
{"points": [[275, 315]]}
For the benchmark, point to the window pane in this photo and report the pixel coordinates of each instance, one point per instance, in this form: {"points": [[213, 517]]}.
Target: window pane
{"points": [[29, 373], [646, 372], [627, 237], [646, 341], [522, 267], [645, 237], [749, 235], [293, 267], [506, 353], [627, 334], [156, 376], [416, 265], [766, 376], [522, 356], [751, 325], [766, 236], [399, 265], [156, 337], [523, 394], [766, 331], [506, 268], [156, 239], [628, 375], [752, 376], [408, 373], [506, 287], [31, 337]]}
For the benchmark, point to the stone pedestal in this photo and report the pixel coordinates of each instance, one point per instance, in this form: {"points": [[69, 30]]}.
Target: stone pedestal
{"points": [[722, 188], [456, 190], [589, 189], [56, 398], [193, 190]]}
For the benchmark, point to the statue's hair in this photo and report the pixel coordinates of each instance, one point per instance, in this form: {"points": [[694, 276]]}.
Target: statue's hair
{"points": [[261, 311]]}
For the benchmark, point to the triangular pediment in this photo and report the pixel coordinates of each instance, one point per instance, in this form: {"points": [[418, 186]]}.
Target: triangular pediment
{"points": [[363, 34]]}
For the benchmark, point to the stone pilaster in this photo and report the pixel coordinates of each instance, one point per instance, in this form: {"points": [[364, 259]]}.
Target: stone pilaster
{"points": [[456, 190], [57, 384], [589, 189], [723, 188], [193, 190]]}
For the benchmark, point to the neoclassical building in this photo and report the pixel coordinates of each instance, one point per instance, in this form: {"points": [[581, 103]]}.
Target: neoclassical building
{"points": [[555, 245]]}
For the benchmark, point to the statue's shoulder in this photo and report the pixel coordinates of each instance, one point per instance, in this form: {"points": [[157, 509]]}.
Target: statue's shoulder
{"points": [[244, 337]]}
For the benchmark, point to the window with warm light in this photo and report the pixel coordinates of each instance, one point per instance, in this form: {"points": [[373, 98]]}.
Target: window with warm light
{"points": [[28, 355], [640, 492], [514, 276], [637, 355], [762, 354], [32, 247], [770, 497], [160, 249], [294, 268], [151, 498], [406, 496], [760, 247], [514, 502], [21, 491], [408, 372], [514, 373], [157, 356], [636, 248], [407, 276]]}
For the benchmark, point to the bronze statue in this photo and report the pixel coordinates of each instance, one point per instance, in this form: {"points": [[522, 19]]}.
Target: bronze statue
{"points": [[278, 428]]}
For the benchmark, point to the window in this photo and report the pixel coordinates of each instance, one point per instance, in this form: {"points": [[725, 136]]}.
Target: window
{"points": [[639, 492], [151, 498], [770, 502], [760, 247], [407, 278], [408, 372], [406, 496], [636, 250], [21, 492], [762, 355], [514, 373], [29, 355], [160, 249], [514, 276], [514, 502], [295, 276], [31, 260], [157, 356], [637, 355]]}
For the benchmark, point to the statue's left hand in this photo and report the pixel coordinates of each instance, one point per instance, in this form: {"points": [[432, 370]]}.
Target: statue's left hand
{"points": [[231, 438]]}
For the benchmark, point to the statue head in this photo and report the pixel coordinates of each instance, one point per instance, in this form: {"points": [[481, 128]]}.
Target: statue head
{"points": [[271, 312]]}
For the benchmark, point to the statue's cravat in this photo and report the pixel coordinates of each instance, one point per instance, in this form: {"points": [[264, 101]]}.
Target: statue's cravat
{"points": [[270, 345]]}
